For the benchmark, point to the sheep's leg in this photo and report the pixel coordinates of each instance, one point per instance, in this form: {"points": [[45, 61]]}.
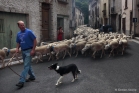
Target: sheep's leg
{"points": [[69, 53], [3, 63], [57, 56], [37, 60], [76, 53], [94, 54], [64, 54], [18, 59], [123, 50], [50, 57], [102, 53], [40, 56], [111, 52]]}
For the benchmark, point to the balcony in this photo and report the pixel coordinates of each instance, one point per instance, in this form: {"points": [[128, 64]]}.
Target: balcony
{"points": [[63, 1], [104, 13], [113, 10]]}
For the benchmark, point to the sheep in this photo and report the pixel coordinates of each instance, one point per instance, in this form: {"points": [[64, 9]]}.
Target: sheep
{"points": [[123, 43], [44, 43], [60, 48], [114, 44], [68, 42], [87, 46], [42, 50], [2, 57], [78, 46], [11, 52], [97, 46]]}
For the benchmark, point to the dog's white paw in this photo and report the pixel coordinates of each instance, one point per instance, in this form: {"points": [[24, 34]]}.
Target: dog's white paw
{"points": [[60, 82], [73, 80], [56, 84]]}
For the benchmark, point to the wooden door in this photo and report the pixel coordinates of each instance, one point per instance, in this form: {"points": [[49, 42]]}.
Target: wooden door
{"points": [[130, 22], [113, 22], [9, 28], [124, 25], [119, 29], [45, 22]]}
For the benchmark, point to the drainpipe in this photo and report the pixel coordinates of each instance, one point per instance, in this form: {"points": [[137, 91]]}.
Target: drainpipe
{"points": [[109, 13], [134, 14]]}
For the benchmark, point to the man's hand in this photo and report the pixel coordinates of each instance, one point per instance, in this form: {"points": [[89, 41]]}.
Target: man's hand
{"points": [[17, 50], [32, 53]]}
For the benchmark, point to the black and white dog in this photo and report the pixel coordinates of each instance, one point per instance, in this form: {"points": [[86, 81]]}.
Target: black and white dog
{"points": [[62, 70]]}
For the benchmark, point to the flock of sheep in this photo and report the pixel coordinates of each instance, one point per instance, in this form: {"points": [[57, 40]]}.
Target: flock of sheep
{"points": [[86, 40]]}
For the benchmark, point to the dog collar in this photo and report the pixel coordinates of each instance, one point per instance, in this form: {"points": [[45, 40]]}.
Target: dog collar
{"points": [[57, 68], [52, 48], [8, 52], [74, 45]]}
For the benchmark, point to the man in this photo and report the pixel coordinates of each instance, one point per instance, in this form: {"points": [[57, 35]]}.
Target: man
{"points": [[27, 41]]}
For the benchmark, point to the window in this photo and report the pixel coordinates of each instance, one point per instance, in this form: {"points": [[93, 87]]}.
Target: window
{"points": [[1, 26], [126, 1], [63, 1]]}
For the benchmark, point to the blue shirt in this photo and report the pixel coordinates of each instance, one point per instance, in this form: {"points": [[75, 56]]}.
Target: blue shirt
{"points": [[25, 39]]}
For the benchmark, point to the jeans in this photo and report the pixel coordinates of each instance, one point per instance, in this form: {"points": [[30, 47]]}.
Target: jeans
{"points": [[27, 58]]}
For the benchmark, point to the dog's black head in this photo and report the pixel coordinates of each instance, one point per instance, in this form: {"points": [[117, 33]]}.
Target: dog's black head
{"points": [[53, 66]]}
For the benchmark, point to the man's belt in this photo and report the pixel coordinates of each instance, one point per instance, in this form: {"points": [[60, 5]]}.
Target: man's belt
{"points": [[27, 49]]}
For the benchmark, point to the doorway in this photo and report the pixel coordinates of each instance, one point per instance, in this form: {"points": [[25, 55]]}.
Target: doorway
{"points": [[60, 23], [45, 22], [124, 25]]}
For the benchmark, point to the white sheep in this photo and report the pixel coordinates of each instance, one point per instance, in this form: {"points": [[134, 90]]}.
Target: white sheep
{"points": [[2, 57], [113, 44], [97, 46], [60, 48], [42, 50], [78, 46], [12, 52], [123, 43]]}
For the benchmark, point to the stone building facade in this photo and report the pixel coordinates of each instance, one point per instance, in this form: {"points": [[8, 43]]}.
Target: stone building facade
{"points": [[116, 15], [94, 13], [136, 15], [104, 12], [41, 16], [126, 22], [79, 17]]}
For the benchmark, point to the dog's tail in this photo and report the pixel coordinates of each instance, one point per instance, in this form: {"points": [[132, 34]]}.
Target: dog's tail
{"points": [[79, 71]]}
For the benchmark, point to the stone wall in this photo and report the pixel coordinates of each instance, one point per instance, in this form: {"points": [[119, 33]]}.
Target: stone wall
{"points": [[30, 7]]}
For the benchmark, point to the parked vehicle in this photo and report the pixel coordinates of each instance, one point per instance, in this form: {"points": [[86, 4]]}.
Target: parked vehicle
{"points": [[106, 28]]}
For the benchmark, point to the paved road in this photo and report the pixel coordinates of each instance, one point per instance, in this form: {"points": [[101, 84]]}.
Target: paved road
{"points": [[118, 74]]}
